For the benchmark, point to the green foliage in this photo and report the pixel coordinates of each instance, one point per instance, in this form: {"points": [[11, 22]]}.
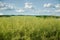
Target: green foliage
{"points": [[29, 28]]}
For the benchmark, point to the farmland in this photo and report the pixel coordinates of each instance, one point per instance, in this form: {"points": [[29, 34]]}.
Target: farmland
{"points": [[29, 28]]}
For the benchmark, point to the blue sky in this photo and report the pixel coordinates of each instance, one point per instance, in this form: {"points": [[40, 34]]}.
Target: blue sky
{"points": [[30, 7]]}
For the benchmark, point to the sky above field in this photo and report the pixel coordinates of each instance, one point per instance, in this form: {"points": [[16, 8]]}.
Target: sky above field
{"points": [[30, 7]]}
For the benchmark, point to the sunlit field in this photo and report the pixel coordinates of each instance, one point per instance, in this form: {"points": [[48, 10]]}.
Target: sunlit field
{"points": [[29, 28]]}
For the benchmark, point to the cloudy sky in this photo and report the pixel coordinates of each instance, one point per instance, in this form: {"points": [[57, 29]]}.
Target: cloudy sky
{"points": [[30, 7]]}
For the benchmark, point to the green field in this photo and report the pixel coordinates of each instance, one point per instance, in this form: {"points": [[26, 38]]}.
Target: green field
{"points": [[29, 28]]}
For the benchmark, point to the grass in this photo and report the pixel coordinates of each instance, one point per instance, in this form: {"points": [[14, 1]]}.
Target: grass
{"points": [[29, 28]]}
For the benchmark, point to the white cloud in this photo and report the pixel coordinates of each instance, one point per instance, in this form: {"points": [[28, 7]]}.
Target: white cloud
{"points": [[47, 5], [57, 5], [20, 10], [1, 13], [28, 5], [5, 6], [57, 10]]}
